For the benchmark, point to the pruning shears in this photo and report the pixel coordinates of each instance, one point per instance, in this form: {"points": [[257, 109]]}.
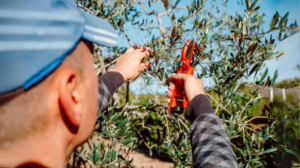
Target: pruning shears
{"points": [[179, 100]]}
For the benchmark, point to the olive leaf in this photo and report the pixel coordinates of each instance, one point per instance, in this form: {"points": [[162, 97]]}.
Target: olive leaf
{"points": [[274, 21]]}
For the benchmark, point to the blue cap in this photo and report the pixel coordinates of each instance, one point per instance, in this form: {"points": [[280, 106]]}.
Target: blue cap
{"points": [[36, 36]]}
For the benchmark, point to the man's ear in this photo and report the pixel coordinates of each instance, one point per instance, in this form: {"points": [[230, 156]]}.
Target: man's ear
{"points": [[69, 97]]}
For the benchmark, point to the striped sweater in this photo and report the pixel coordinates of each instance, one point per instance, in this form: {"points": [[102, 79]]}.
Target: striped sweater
{"points": [[210, 144]]}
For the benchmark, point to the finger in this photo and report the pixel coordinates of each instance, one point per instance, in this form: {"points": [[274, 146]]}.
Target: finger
{"points": [[172, 87], [150, 53], [140, 50], [179, 76], [149, 65], [143, 67], [136, 46], [146, 49], [141, 54], [169, 101], [170, 94]]}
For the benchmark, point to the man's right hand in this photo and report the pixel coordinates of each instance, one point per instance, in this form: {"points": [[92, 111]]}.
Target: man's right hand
{"points": [[192, 86]]}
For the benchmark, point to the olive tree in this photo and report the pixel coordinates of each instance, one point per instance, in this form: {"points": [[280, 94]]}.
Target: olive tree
{"points": [[233, 48]]}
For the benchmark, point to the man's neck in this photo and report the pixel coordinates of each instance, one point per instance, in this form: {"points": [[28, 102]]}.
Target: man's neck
{"points": [[41, 151]]}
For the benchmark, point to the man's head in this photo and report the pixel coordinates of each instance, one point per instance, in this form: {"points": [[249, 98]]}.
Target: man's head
{"points": [[48, 86], [62, 104]]}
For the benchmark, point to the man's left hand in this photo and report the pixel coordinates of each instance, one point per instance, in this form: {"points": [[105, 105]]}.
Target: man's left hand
{"points": [[129, 64]]}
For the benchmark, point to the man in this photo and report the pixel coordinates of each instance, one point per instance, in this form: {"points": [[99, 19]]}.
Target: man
{"points": [[49, 89]]}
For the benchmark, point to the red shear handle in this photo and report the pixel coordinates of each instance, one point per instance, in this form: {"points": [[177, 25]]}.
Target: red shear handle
{"points": [[179, 99]]}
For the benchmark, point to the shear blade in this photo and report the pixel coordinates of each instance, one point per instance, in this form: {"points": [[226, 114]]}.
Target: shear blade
{"points": [[189, 51]]}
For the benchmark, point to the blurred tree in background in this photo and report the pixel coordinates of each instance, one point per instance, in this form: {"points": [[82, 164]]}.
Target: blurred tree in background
{"points": [[233, 47]]}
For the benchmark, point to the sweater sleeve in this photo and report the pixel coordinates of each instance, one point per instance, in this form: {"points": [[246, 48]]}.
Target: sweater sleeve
{"points": [[107, 85], [210, 143]]}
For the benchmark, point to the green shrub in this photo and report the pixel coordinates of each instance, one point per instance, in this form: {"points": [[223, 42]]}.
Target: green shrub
{"points": [[287, 130]]}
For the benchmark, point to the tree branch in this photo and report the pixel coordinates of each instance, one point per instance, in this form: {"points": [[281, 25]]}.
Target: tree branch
{"points": [[100, 59], [190, 16], [230, 39], [159, 15], [127, 92], [111, 9]]}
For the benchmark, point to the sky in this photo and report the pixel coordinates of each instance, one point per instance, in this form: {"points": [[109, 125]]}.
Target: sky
{"points": [[286, 65]]}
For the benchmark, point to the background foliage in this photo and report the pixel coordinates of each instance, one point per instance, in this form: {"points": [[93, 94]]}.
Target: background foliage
{"points": [[233, 50]]}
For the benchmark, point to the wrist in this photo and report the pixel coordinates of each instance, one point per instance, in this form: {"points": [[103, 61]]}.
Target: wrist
{"points": [[112, 80], [198, 106], [195, 94], [119, 71]]}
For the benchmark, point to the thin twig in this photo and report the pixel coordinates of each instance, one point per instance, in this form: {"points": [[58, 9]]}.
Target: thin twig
{"points": [[218, 102], [125, 36], [190, 16], [127, 92], [111, 9], [184, 125], [91, 144]]}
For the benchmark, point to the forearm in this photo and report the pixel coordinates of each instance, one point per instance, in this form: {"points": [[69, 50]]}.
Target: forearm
{"points": [[108, 84], [210, 144]]}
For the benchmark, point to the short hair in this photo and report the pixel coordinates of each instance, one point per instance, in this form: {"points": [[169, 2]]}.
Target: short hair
{"points": [[25, 115]]}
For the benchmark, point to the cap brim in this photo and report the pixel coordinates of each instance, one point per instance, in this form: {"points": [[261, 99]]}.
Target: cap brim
{"points": [[99, 31]]}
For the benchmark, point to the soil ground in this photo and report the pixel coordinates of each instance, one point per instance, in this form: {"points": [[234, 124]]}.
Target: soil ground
{"points": [[141, 160]]}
